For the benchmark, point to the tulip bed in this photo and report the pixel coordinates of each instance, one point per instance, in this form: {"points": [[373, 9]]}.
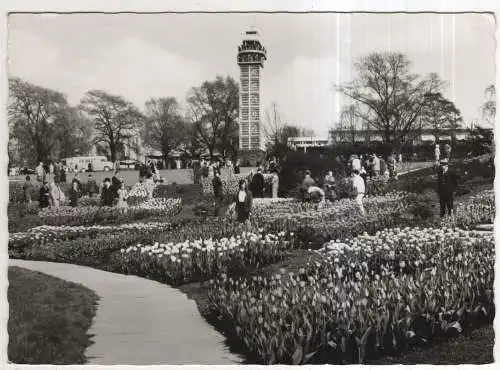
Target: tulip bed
{"points": [[195, 260], [45, 234], [366, 297], [90, 215]]}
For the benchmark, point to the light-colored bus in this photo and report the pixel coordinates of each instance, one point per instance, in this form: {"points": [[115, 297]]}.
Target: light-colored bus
{"points": [[81, 164]]}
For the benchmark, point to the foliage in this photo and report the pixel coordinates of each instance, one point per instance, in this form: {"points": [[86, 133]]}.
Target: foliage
{"points": [[164, 128], [440, 114], [115, 119], [213, 110]]}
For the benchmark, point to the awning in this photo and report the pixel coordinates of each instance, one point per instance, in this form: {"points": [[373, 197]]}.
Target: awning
{"points": [[461, 137], [358, 139], [376, 138], [445, 138]]}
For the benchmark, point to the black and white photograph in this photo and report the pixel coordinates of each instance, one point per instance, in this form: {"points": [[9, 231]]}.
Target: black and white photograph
{"points": [[234, 188]]}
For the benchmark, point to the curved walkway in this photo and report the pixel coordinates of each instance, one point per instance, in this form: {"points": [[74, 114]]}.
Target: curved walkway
{"points": [[141, 322]]}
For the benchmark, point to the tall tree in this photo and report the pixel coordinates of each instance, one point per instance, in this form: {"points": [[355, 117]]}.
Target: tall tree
{"points": [[440, 114], [390, 98], [74, 133], [213, 110], [489, 108], [36, 115], [115, 119], [164, 128], [349, 122]]}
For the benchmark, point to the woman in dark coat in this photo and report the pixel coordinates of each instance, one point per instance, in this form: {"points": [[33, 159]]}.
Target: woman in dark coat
{"points": [[44, 200], [243, 204]]}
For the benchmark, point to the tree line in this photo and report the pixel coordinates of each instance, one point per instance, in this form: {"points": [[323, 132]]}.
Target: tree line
{"points": [[44, 126]]}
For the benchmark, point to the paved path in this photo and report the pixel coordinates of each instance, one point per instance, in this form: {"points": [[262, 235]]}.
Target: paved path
{"points": [[141, 322]]}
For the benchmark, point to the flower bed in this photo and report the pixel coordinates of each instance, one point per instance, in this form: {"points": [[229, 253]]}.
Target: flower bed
{"points": [[229, 184], [45, 234], [478, 209], [94, 215], [344, 309], [194, 260]]}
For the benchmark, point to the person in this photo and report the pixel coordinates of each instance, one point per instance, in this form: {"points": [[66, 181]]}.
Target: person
{"points": [[51, 171], [196, 172], [44, 200], [359, 190], [107, 194], [74, 194], [90, 168], [237, 167], [63, 174], [40, 172], [391, 165], [150, 186], [56, 195], [308, 181], [316, 194], [243, 205], [383, 167], [275, 182], [28, 190], [92, 187], [355, 163], [116, 183], [376, 165], [122, 197], [447, 151], [76, 179], [257, 184], [437, 154], [217, 186], [57, 172], [205, 170], [447, 183]]}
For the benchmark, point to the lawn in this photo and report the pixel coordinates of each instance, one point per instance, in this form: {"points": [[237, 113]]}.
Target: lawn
{"points": [[48, 319]]}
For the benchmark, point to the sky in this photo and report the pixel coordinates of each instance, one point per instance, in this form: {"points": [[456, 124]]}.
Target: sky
{"points": [[140, 56]]}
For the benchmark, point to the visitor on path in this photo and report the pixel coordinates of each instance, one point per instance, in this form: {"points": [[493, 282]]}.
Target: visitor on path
{"points": [[40, 172], [56, 195], [243, 205], [447, 183], [376, 165], [237, 167], [44, 199], [363, 173], [28, 190], [196, 172], [358, 190], [437, 154], [122, 198], [308, 181], [217, 187], [107, 194], [275, 182], [150, 186], [74, 194], [205, 170], [92, 187], [90, 168], [51, 171], [257, 184]]}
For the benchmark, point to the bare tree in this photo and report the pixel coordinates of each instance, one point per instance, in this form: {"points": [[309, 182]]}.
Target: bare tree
{"points": [[349, 122], [164, 129], [213, 110], [115, 119], [391, 99]]}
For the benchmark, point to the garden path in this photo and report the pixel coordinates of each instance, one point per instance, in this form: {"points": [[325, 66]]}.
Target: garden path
{"points": [[141, 322]]}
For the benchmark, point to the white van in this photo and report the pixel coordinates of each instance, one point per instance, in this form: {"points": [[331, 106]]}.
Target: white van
{"points": [[81, 164]]}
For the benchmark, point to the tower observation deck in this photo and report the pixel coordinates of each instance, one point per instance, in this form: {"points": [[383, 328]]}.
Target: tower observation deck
{"points": [[251, 57]]}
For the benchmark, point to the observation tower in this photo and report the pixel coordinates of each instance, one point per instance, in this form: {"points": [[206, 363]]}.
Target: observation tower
{"points": [[251, 57]]}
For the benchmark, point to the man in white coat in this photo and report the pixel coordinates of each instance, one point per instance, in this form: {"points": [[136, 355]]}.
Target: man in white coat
{"points": [[359, 190]]}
